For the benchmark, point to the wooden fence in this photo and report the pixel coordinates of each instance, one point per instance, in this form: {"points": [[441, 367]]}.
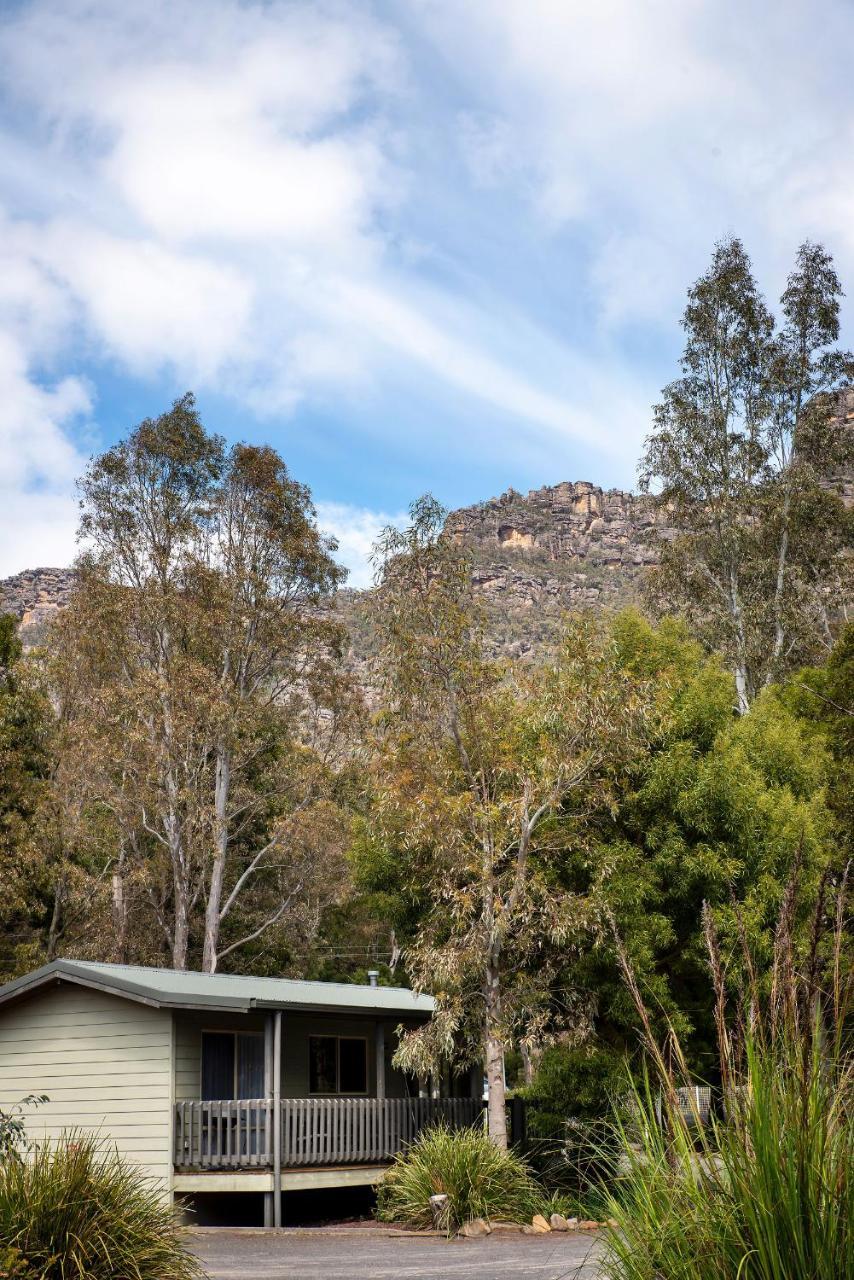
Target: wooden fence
{"points": [[239, 1134]]}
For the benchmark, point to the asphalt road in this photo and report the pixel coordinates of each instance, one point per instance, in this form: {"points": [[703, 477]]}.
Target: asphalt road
{"points": [[356, 1255]]}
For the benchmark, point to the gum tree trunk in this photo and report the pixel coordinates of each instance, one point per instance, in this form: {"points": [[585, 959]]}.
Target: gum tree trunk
{"points": [[496, 1110]]}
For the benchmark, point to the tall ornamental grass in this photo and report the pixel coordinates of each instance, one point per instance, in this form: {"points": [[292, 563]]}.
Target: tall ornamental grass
{"points": [[766, 1191], [73, 1210], [479, 1180]]}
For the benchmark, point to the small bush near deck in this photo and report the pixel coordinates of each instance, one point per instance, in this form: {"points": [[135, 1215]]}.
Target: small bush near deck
{"points": [[479, 1180], [73, 1210]]}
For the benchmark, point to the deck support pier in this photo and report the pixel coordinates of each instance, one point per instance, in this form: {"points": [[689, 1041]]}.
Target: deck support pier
{"points": [[268, 1094], [277, 1118], [273, 1092]]}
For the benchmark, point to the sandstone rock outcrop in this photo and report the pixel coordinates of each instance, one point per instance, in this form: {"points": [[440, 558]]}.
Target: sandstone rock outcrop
{"points": [[560, 548], [536, 556], [34, 597]]}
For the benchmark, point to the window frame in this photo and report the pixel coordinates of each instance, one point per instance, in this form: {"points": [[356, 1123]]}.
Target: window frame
{"points": [[337, 1091], [224, 1031]]}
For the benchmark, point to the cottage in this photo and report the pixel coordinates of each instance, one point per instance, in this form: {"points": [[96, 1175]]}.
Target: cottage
{"points": [[217, 1082]]}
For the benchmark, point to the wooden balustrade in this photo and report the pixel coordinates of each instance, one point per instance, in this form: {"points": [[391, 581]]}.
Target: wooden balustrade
{"points": [[314, 1131]]}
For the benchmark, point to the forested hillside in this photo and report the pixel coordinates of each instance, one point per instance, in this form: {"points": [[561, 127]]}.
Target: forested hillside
{"points": [[559, 719]]}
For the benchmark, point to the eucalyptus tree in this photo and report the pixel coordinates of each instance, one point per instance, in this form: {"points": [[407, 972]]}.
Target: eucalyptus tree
{"points": [[482, 774], [216, 696], [742, 445]]}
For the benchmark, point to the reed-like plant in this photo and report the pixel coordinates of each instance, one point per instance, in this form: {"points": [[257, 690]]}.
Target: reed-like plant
{"points": [[479, 1180], [74, 1210], [766, 1190]]}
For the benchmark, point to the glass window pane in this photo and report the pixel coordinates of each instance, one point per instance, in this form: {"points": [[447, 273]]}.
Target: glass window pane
{"points": [[353, 1065], [250, 1066], [321, 1064], [217, 1065]]}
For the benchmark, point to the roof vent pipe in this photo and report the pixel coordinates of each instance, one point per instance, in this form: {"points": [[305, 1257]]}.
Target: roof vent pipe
{"points": [[373, 975]]}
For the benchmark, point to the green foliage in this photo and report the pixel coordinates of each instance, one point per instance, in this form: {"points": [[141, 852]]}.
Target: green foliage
{"points": [[13, 1134], [75, 1211], [712, 813], [765, 1189], [483, 775], [742, 445], [823, 699], [768, 1193], [479, 1180], [572, 1083], [202, 700], [26, 741]]}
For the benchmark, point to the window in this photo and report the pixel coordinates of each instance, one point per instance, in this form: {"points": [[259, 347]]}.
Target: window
{"points": [[337, 1064], [232, 1065], [352, 1065]]}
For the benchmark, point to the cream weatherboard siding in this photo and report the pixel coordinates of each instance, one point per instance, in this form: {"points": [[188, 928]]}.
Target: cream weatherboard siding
{"points": [[104, 1063]]}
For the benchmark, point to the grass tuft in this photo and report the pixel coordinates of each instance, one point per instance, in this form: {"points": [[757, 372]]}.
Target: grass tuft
{"points": [[766, 1191], [73, 1210], [479, 1180]]}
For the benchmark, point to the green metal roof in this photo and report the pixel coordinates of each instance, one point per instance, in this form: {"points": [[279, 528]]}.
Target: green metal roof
{"points": [[174, 988]]}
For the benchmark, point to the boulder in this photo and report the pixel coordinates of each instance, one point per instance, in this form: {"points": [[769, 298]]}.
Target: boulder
{"points": [[539, 1223], [558, 1222], [477, 1227]]}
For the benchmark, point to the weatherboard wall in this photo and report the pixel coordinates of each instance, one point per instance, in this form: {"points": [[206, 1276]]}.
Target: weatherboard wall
{"points": [[105, 1064]]}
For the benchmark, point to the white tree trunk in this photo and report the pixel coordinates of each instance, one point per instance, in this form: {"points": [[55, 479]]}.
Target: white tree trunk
{"points": [[213, 906], [741, 672], [120, 910], [496, 1111], [779, 589]]}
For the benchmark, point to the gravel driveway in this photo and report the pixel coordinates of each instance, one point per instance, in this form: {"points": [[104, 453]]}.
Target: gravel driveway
{"points": [[350, 1254]]}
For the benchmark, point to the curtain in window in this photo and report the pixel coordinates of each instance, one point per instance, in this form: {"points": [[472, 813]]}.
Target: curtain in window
{"points": [[217, 1066], [322, 1074], [250, 1066], [352, 1065]]}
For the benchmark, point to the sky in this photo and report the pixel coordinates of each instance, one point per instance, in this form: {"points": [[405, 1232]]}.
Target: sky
{"points": [[418, 245]]}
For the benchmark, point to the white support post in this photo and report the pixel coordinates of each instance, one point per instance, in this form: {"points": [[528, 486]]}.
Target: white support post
{"points": [[269, 1206], [277, 1118]]}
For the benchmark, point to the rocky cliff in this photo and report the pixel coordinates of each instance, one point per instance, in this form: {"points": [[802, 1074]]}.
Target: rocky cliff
{"points": [[563, 547], [34, 597], [536, 555]]}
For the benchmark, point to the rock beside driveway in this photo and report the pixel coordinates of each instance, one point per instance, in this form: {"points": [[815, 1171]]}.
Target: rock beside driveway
{"points": [[558, 1222], [477, 1227]]}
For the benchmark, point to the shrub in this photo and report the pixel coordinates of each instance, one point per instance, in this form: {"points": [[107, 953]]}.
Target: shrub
{"points": [[766, 1192], [13, 1135], [479, 1180], [73, 1210], [569, 1147]]}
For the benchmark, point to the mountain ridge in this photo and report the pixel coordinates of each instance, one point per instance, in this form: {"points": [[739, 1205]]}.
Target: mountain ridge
{"points": [[535, 556]]}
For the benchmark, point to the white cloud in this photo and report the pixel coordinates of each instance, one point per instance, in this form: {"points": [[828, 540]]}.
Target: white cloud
{"points": [[656, 128], [38, 530], [149, 305], [38, 463], [273, 200], [355, 529]]}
